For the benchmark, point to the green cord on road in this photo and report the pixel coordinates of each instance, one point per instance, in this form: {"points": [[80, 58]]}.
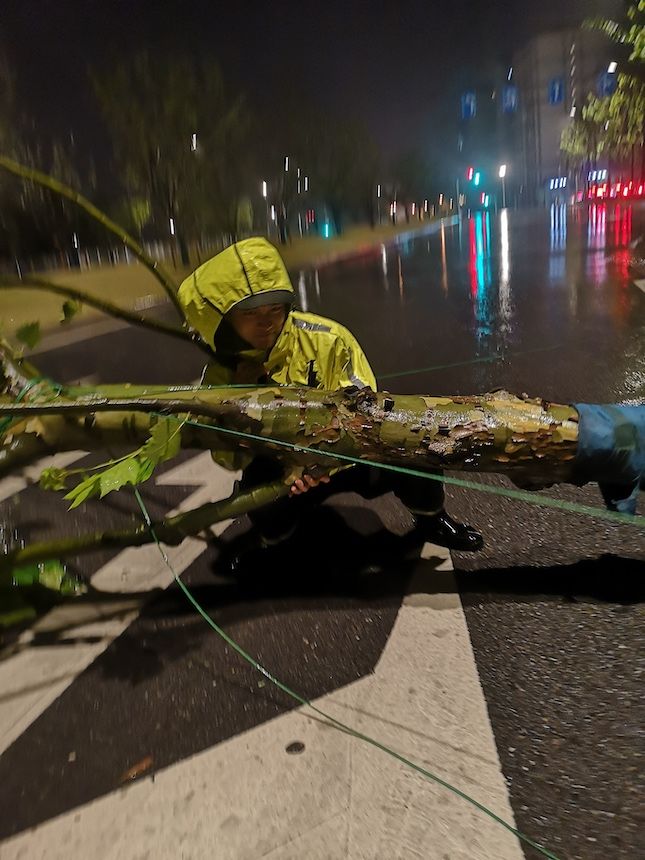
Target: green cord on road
{"points": [[338, 724], [483, 360], [517, 495]]}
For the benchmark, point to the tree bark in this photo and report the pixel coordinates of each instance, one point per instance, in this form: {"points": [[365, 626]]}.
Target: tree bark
{"points": [[531, 440]]}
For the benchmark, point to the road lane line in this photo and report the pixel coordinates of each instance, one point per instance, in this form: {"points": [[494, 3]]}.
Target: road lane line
{"points": [[340, 799], [30, 474], [34, 677], [77, 334]]}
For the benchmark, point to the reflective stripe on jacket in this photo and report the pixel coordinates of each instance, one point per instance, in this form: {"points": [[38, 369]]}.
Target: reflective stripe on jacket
{"points": [[310, 350]]}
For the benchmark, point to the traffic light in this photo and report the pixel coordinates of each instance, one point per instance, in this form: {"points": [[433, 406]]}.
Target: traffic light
{"points": [[477, 178], [470, 173]]}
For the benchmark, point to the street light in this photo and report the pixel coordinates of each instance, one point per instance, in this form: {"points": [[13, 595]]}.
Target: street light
{"points": [[266, 203], [502, 176]]}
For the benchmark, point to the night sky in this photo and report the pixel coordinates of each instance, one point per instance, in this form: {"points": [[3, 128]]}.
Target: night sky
{"points": [[396, 65]]}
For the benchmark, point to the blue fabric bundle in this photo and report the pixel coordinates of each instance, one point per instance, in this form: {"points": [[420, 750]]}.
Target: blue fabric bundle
{"points": [[611, 451]]}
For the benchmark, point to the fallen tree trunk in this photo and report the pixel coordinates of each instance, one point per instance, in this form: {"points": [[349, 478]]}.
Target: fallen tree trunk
{"points": [[534, 442]]}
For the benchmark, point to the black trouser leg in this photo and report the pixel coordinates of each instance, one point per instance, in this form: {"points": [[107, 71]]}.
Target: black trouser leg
{"points": [[279, 519], [423, 497]]}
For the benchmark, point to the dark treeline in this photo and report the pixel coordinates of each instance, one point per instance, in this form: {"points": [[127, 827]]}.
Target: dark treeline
{"points": [[191, 157]]}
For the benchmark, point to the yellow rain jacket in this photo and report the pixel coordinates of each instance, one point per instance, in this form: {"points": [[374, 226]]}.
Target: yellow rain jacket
{"points": [[311, 350]]}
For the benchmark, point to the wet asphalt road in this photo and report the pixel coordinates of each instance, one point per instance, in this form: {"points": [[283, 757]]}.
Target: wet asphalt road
{"points": [[533, 302]]}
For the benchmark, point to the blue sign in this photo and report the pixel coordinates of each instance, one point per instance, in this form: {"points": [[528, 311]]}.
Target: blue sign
{"points": [[509, 99], [468, 105], [606, 85], [556, 91]]}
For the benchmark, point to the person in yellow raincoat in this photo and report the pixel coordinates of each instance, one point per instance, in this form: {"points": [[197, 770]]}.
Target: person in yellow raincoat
{"points": [[241, 303]]}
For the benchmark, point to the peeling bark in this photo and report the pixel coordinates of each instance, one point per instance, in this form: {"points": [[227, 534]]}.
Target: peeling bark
{"points": [[528, 439], [532, 441]]}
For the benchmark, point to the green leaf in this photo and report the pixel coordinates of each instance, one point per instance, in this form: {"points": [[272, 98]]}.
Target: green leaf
{"points": [[146, 468], [51, 574], [29, 334], [70, 309], [53, 478], [164, 442], [54, 575], [117, 476], [84, 490]]}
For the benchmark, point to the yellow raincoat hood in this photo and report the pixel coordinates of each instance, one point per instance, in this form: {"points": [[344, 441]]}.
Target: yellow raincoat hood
{"points": [[250, 268], [311, 350]]}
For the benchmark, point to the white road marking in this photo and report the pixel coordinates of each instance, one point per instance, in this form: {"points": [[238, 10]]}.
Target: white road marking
{"points": [[16, 483], [77, 334], [340, 799], [32, 678]]}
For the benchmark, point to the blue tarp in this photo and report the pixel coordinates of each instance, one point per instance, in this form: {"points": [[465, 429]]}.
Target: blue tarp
{"points": [[611, 451]]}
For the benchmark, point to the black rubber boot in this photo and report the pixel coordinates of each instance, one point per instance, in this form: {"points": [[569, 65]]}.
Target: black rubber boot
{"points": [[443, 530]]}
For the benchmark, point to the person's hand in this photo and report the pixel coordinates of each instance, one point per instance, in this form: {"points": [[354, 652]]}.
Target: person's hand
{"points": [[307, 482]]}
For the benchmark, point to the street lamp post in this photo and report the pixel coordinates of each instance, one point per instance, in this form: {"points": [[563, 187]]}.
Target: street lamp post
{"points": [[502, 176]]}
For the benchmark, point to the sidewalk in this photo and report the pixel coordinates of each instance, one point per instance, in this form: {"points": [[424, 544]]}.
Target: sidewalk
{"points": [[133, 287]]}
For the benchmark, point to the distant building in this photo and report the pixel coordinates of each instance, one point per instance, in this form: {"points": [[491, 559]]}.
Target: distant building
{"points": [[554, 72]]}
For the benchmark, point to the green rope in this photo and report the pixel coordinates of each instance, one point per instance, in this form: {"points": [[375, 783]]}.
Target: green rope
{"points": [[483, 360], [517, 495], [431, 777]]}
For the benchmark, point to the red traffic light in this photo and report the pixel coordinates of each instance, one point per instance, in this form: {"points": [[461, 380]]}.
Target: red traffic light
{"points": [[470, 173]]}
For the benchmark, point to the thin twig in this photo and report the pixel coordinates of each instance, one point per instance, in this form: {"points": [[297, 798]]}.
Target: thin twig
{"points": [[171, 531], [65, 191], [107, 308]]}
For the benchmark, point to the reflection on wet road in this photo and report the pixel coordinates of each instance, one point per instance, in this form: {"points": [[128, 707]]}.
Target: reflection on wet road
{"points": [[541, 302]]}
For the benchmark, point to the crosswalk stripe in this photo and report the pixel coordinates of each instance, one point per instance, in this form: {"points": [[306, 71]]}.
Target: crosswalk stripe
{"points": [[339, 799], [32, 678]]}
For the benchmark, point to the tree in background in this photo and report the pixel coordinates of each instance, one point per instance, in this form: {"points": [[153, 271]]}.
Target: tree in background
{"points": [[411, 177], [615, 125], [32, 219], [629, 32], [620, 118], [580, 140], [335, 153], [179, 138]]}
